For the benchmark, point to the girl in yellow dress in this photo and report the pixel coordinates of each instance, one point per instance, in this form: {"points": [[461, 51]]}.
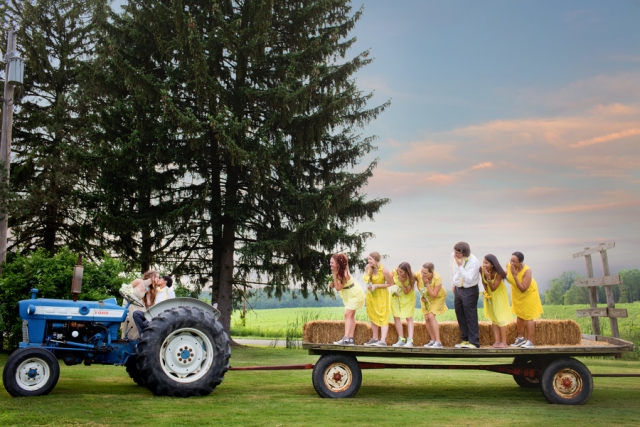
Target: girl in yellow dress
{"points": [[403, 302], [432, 301], [377, 279], [525, 298], [496, 300], [351, 293]]}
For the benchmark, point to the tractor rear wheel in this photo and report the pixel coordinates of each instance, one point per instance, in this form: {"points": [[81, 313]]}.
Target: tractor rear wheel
{"points": [[183, 352], [30, 372], [133, 372]]}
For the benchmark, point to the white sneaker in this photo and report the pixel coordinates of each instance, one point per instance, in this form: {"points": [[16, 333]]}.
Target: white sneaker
{"points": [[519, 341], [401, 343], [429, 344], [342, 341], [409, 343], [380, 343], [371, 342], [527, 344], [436, 344]]}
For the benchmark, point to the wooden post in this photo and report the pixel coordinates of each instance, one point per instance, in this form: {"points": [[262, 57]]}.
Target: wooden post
{"points": [[613, 322], [593, 295], [5, 143]]}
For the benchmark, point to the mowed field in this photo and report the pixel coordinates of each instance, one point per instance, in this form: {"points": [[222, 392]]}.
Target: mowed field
{"points": [[105, 396]]}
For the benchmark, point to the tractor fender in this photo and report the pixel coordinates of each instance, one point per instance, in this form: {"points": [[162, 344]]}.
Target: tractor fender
{"points": [[159, 308]]}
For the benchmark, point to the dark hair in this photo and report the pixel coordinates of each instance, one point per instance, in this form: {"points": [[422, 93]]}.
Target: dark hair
{"points": [[343, 266], [169, 280], [519, 255], [491, 259], [406, 267], [429, 266], [463, 247]]}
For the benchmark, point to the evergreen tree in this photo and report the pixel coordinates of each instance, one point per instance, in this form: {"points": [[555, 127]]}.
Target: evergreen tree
{"points": [[47, 171], [270, 109], [141, 208]]}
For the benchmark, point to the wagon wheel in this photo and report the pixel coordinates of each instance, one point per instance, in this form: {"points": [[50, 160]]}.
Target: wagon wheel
{"points": [[337, 376], [527, 362], [566, 382]]}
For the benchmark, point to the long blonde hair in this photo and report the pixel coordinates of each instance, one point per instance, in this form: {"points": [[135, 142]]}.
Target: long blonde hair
{"points": [[370, 270], [406, 267], [150, 297]]}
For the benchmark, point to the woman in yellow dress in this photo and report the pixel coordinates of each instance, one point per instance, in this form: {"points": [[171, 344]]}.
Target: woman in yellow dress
{"points": [[403, 302], [377, 279], [351, 293], [525, 298], [432, 301], [496, 300]]}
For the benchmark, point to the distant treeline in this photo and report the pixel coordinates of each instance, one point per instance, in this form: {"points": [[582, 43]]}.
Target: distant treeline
{"points": [[259, 300], [564, 292]]}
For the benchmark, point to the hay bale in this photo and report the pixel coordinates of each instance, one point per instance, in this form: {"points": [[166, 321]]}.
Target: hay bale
{"points": [[328, 331], [548, 332]]}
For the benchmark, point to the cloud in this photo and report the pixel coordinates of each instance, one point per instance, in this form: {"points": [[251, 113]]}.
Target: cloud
{"points": [[407, 182], [584, 208], [606, 138]]}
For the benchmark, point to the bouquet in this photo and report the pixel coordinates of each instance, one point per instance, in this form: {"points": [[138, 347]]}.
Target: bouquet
{"points": [[487, 297]]}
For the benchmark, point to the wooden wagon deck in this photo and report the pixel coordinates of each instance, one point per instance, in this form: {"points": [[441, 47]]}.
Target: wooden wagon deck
{"points": [[591, 345]]}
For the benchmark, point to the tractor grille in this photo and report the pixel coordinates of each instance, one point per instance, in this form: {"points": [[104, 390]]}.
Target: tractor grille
{"points": [[25, 331]]}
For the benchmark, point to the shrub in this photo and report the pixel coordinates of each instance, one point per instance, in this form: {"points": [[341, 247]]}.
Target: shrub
{"points": [[51, 275]]}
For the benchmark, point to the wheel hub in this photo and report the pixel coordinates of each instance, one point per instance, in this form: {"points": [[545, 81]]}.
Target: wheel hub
{"points": [[338, 377], [567, 383], [186, 355], [32, 374]]}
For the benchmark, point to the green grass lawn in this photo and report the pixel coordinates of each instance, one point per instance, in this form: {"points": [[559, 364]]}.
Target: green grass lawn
{"points": [[104, 395]]}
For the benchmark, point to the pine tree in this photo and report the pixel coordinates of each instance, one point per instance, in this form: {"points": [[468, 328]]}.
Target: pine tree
{"points": [[140, 208], [270, 109], [47, 171]]}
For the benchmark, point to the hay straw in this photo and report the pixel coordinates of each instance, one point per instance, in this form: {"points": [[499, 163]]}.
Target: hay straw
{"points": [[548, 332]]}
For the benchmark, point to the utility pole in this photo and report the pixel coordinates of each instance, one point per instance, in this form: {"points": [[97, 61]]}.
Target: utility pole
{"points": [[5, 140]]}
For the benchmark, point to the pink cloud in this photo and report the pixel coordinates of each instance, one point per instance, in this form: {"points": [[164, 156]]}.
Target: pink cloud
{"points": [[606, 138], [583, 208]]}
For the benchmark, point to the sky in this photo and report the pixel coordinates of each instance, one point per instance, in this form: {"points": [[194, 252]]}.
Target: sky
{"points": [[513, 126]]}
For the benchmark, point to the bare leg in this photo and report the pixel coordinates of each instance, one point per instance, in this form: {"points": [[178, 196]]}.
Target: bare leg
{"points": [[398, 323], [531, 329], [427, 323], [410, 327], [349, 323], [385, 329], [435, 327], [374, 331], [503, 335], [496, 334], [520, 323]]}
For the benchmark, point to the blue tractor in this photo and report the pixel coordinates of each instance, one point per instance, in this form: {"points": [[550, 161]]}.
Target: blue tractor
{"points": [[183, 352]]}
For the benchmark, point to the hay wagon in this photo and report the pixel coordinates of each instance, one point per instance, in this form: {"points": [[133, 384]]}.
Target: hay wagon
{"points": [[550, 366], [561, 378]]}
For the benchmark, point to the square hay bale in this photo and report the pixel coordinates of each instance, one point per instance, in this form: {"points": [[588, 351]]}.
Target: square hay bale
{"points": [[548, 332]]}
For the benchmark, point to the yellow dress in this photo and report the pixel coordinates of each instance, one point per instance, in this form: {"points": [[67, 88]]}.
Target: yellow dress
{"points": [[497, 308], [526, 305], [402, 306], [378, 301], [436, 305], [352, 295]]}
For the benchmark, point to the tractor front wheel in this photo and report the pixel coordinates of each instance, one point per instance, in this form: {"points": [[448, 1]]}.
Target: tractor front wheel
{"points": [[183, 352], [30, 372]]}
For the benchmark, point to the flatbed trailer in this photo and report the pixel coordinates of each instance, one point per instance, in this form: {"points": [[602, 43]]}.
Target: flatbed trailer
{"points": [[561, 378]]}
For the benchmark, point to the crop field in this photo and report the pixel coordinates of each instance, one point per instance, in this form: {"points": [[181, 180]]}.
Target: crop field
{"points": [[105, 396]]}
